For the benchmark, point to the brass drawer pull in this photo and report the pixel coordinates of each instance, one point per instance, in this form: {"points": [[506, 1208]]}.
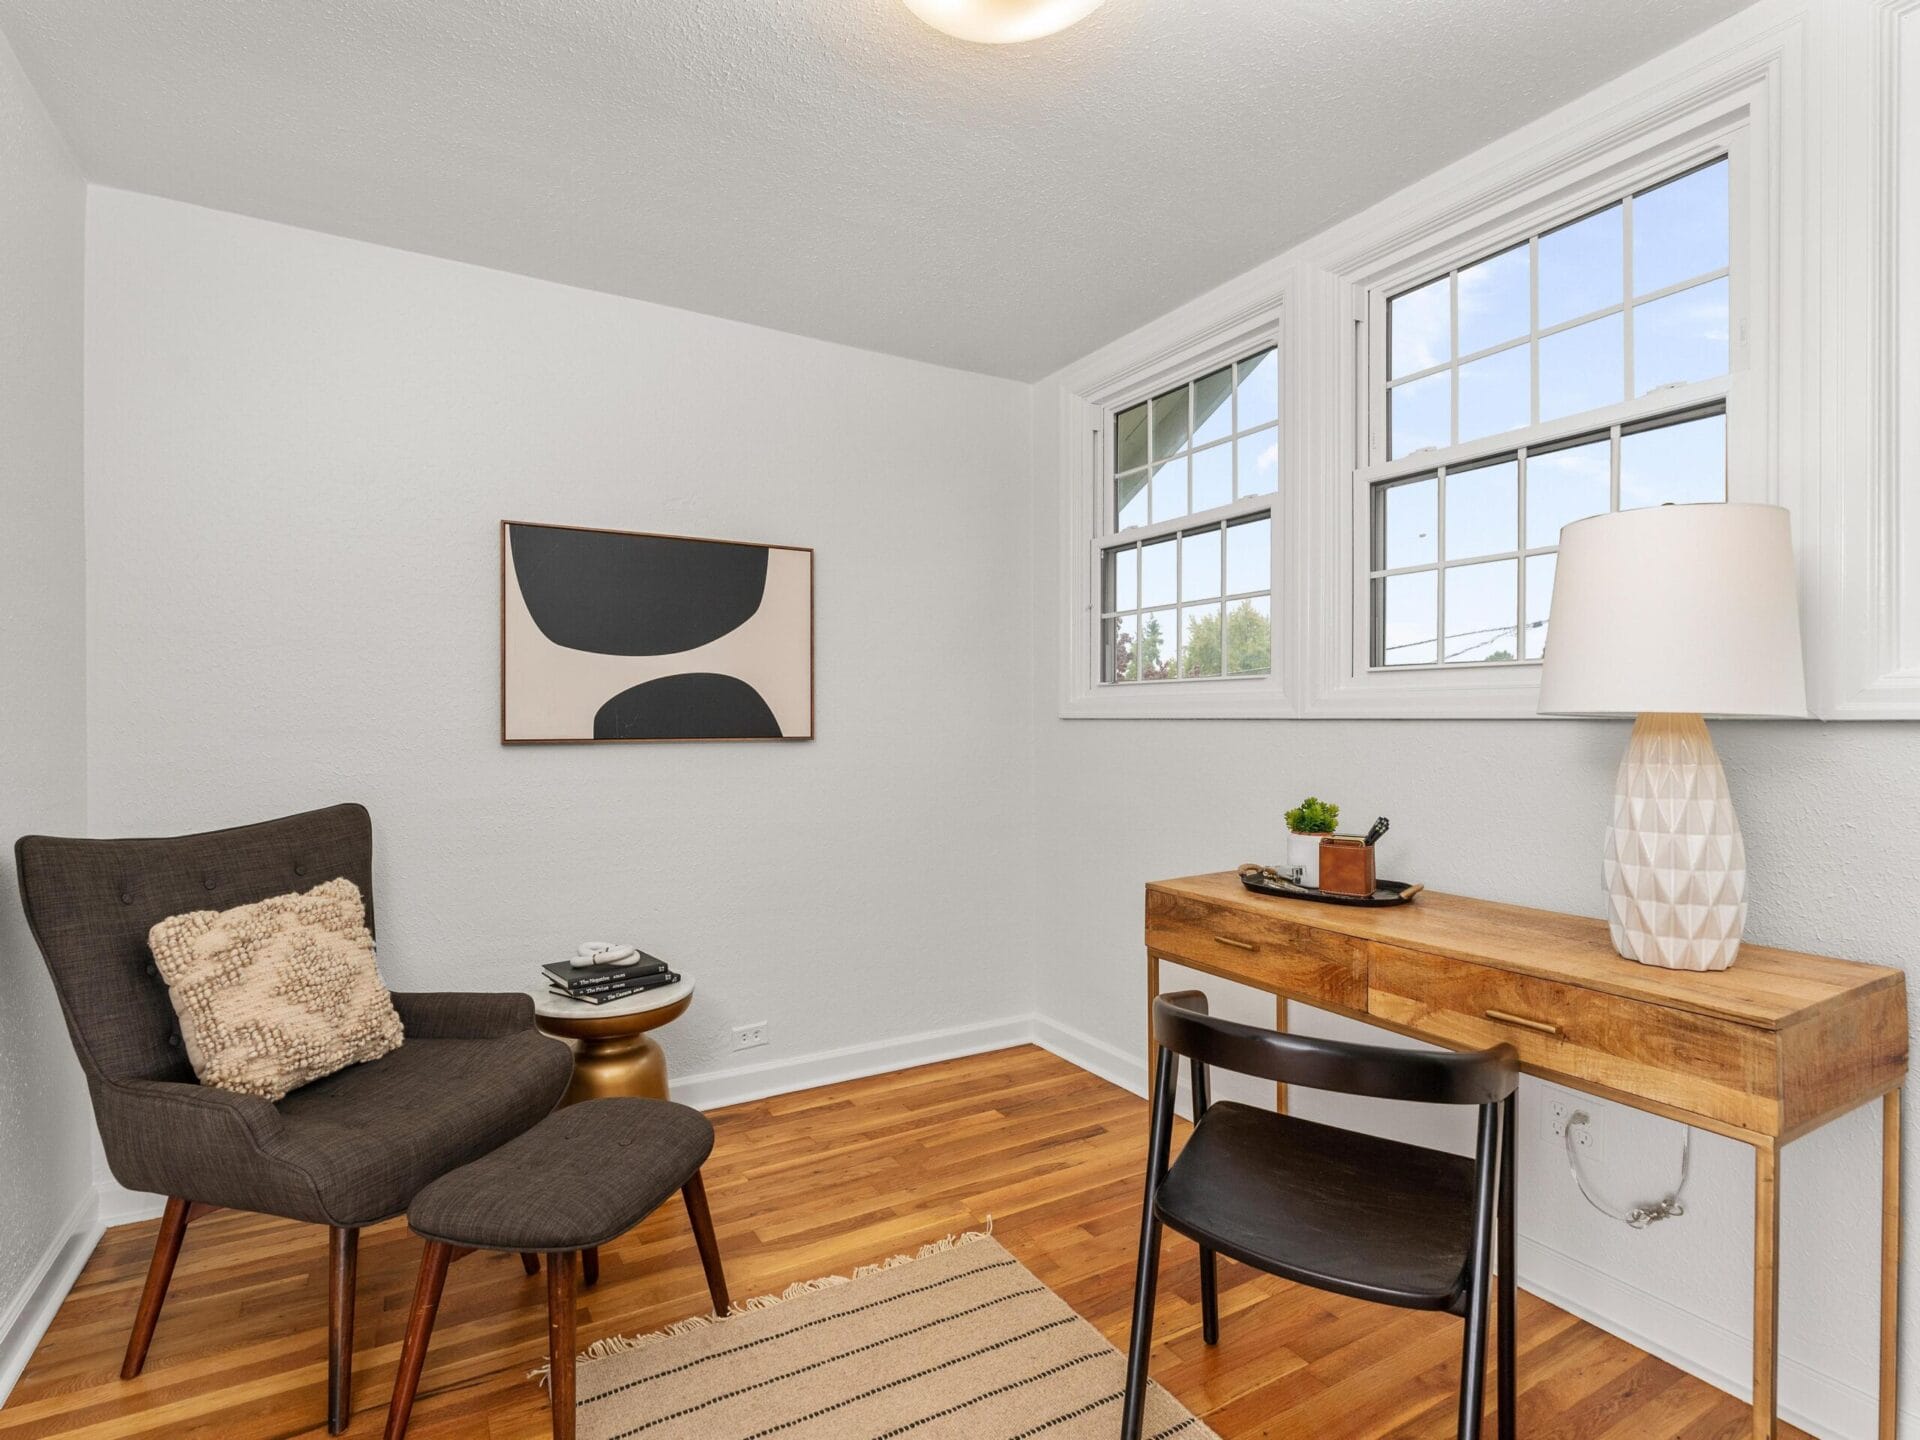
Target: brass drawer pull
{"points": [[1523, 1022], [1236, 944]]}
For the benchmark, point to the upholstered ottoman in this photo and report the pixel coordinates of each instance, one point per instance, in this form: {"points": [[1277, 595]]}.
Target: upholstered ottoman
{"points": [[582, 1177]]}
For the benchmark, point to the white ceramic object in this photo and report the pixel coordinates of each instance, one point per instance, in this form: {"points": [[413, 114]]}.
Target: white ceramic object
{"points": [[1675, 867], [1303, 853], [605, 952], [1670, 613]]}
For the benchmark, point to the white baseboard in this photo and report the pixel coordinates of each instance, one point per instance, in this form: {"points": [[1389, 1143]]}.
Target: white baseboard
{"points": [[31, 1311], [1097, 1057], [1811, 1399], [1700, 1345], [121, 1206], [716, 1088]]}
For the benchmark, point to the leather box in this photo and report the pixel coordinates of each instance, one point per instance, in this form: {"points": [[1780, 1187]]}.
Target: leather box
{"points": [[1346, 865]]}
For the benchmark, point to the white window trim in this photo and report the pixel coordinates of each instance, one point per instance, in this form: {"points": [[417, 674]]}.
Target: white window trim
{"points": [[1314, 296], [1088, 398], [1868, 609], [1666, 163], [1731, 108]]}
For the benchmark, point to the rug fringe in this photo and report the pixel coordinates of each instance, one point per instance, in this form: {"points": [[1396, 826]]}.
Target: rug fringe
{"points": [[623, 1344]]}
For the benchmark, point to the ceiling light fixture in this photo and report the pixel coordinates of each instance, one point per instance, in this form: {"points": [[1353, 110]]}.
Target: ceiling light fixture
{"points": [[1002, 22]]}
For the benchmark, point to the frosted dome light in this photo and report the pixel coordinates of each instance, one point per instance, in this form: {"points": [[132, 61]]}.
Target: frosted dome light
{"points": [[1002, 22]]}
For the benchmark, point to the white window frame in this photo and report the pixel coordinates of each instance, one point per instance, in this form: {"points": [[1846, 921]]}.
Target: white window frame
{"points": [[1668, 115], [1735, 123], [1090, 400], [1680, 405], [1868, 611]]}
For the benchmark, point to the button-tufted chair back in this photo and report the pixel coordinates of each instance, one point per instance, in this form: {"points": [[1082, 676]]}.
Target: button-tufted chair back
{"points": [[92, 902]]}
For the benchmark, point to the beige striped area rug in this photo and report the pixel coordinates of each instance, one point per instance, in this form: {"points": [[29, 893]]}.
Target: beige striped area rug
{"points": [[961, 1341]]}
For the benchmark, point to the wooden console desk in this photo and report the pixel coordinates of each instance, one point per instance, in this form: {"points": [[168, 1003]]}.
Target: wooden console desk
{"points": [[1763, 1053]]}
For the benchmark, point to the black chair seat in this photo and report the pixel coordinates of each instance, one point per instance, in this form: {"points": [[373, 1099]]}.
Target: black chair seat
{"points": [[1336, 1209]]}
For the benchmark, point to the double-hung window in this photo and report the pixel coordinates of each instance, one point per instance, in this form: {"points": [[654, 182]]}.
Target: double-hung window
{"points": [[1336, 486], [1185, 551], [1584, 367]]}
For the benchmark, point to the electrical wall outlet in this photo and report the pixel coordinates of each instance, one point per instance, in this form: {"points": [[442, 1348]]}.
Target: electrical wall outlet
{"points": [[1558, 1107], [745, 1037], [1586, 1139]]}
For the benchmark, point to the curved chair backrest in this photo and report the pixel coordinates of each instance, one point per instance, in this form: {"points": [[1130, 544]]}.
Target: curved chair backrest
{"points": [[91, 903], [1484, 1077]]}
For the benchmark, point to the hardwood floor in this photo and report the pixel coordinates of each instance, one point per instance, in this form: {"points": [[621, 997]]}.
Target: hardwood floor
{"points": [[801, 1186]]}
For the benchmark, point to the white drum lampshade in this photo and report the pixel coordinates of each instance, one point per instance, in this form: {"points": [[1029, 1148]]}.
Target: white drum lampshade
{"points": [[1671, 613]]}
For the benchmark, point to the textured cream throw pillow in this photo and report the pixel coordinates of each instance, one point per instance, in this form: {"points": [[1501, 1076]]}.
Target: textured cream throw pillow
{"points": [[278, 993]]}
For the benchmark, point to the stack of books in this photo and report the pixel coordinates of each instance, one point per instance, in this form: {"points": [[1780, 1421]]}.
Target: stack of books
{"points": [[581, 979]]}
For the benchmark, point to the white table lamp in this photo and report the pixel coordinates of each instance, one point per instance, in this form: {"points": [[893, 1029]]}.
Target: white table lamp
{"points": [[1671, 613]]}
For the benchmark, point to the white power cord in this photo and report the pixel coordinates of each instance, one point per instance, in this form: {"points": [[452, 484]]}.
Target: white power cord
{"points": [[1638, 1216]]}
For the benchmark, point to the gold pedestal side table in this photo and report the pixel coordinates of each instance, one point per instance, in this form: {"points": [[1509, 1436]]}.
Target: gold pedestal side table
{"points": [[612, 1052]]}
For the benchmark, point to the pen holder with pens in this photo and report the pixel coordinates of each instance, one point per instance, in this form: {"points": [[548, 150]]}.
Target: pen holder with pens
{"points": [[1346, 865], [1345, 872]]}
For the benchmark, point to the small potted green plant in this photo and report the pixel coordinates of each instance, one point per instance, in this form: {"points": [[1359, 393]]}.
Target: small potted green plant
{"points": [[1306, 823]]}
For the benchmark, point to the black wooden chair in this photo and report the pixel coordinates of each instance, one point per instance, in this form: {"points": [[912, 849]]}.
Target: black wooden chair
{"points": [[1335, 1209]]}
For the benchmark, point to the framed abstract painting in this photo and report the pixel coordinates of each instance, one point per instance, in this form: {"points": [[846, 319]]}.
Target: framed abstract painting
{"points": [[627, 636]]}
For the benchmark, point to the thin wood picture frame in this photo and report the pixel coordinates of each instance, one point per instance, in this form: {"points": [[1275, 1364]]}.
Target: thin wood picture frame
{"points": [[637, 637]]}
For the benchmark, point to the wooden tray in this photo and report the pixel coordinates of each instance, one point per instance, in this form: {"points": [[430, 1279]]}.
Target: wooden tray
{"points": [[1385, 892]]}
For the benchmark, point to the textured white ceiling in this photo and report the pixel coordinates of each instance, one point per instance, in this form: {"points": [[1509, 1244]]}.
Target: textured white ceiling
{"points": [[832, 167]]}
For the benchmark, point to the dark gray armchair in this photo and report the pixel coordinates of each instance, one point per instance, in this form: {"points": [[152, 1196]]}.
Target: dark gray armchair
{"points": [[342, 1152]]}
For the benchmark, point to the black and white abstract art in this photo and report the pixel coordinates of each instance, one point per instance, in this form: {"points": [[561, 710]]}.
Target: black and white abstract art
{"points": [[614, 635]]}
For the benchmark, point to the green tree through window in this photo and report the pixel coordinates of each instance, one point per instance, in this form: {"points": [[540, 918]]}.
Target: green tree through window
{"points": [[1153, 666], [1249, 643]]}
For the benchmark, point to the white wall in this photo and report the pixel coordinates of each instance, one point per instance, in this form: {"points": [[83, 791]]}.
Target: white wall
{"points": [[45, 1185], [299, 450], [1513, 810]]}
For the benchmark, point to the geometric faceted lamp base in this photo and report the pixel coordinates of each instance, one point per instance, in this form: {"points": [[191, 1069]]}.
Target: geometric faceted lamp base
{"points": [[1675, 866]]}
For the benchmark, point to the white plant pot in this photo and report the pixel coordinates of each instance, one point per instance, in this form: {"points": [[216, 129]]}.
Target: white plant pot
{"points": [[1303, 852]]}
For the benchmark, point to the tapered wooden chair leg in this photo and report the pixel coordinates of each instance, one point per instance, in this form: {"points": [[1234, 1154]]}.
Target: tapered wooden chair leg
{"points": [[1146, 1278], [590, 1265], [1473, 1370], [166, 1250], [1480, 1262], [1507, 1320], [1146, 1282], [695, 1193], [529, 1262], [560, 1340], [413, 1351], [1209, 1262], [343, 1256], [1209, 1296]]}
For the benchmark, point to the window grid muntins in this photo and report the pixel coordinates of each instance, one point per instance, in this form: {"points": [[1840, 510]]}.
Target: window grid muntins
{"points": [[1602, 313], [1578, 346], [1204, 594], [1198, 446], [1193, 601], [1678, 458]]}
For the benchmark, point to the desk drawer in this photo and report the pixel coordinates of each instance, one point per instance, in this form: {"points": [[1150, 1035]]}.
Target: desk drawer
{"points": [[1260, 949], [1712, 1067]]}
